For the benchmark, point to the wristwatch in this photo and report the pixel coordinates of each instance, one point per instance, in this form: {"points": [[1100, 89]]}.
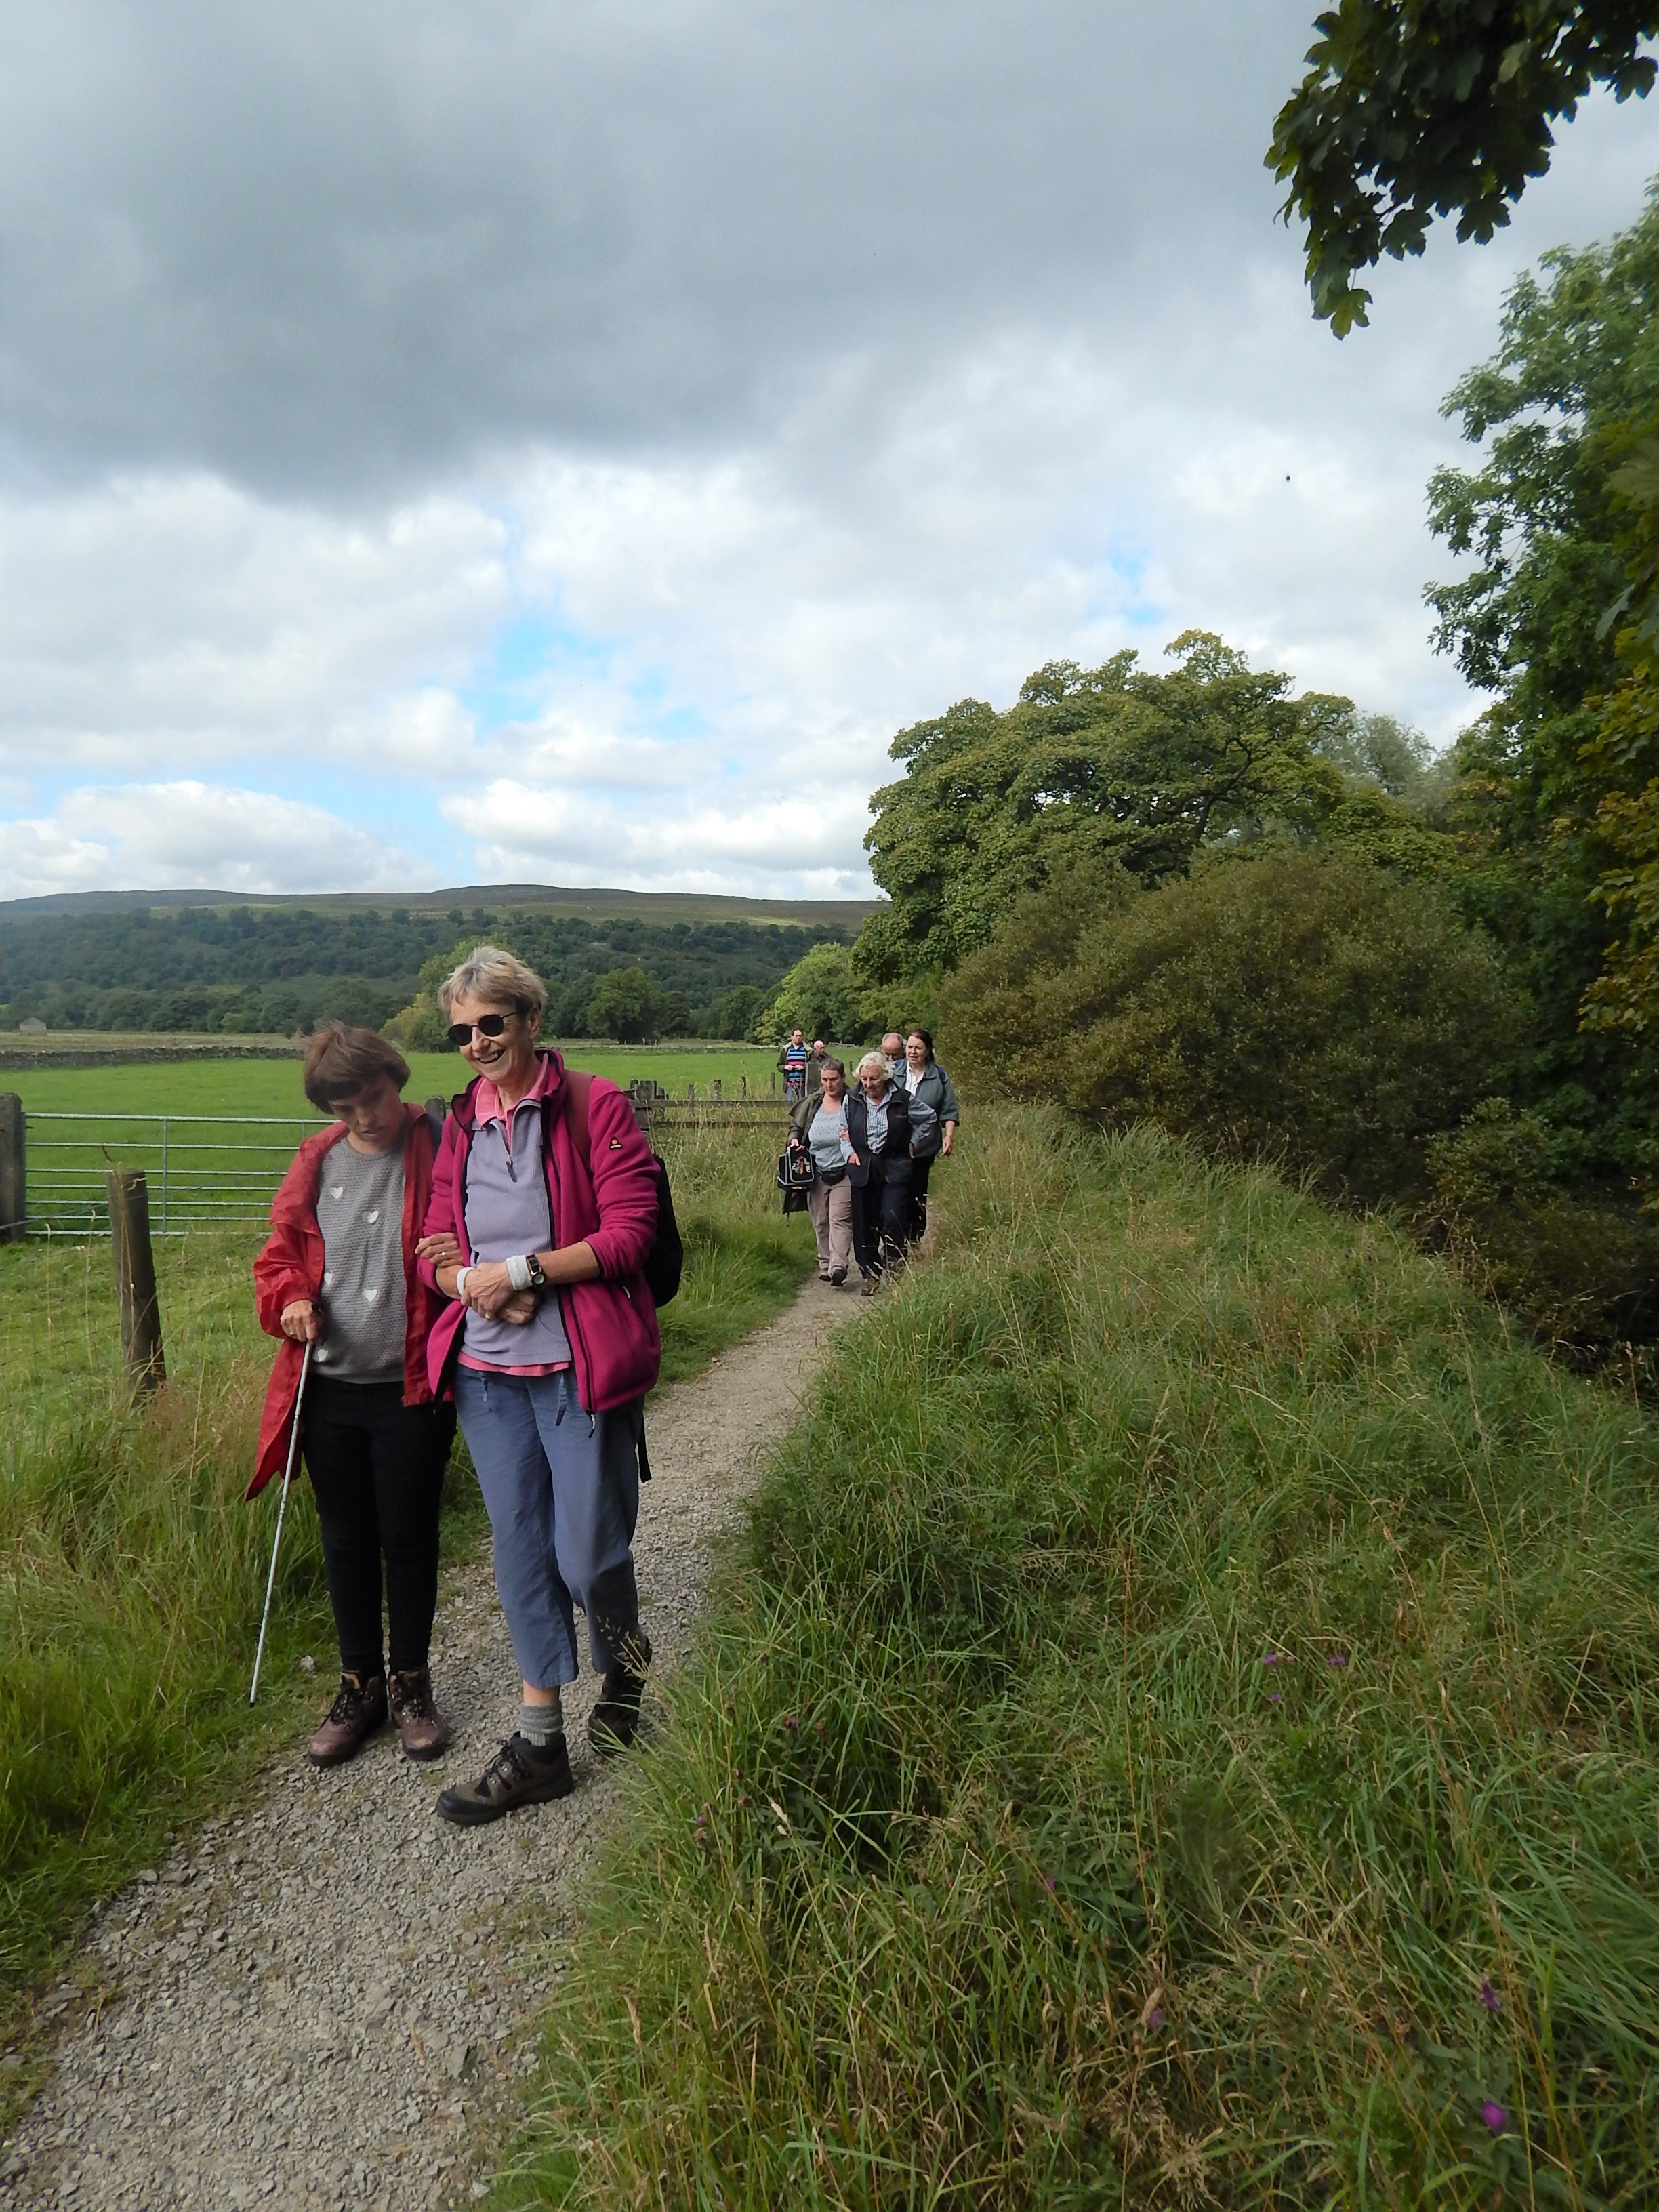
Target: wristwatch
{"points": [[537, 1275]]}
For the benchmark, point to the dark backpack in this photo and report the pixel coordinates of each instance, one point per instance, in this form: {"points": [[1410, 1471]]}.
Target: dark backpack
{"points": [[665, 1260]]}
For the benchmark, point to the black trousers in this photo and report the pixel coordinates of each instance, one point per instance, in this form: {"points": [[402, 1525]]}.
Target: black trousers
{"points": [[881, 1216], [919, 1171], [378, 1468]]}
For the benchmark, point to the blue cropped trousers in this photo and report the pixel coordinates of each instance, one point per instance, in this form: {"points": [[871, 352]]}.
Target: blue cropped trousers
{"points": [[562, 1488]]}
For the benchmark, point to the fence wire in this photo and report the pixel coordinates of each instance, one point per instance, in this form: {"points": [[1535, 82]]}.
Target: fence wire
{"points": [[222, 1169], [203, 1170]]}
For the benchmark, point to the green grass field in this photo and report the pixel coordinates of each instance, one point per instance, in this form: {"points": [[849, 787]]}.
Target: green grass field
{"points": [[131, 1574], [1192, 1748], [272, 1086], [219, 1170]]}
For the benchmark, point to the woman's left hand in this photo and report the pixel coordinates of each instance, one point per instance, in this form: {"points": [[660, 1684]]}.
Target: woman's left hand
{"points": [[489, 1288]]}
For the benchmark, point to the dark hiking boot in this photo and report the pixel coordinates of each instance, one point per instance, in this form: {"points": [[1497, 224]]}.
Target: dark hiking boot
{"points": [[615, 1720], [356, 1714], [421, 1728], [520, 1773], [836, 1278]]}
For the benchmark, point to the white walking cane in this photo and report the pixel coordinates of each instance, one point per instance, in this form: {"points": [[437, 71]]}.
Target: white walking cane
{"points": [[288, 1477]]}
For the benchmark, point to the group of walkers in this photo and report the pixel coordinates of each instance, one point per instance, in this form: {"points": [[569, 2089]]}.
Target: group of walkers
{"points": [[492, 1270], [871, 1150]]}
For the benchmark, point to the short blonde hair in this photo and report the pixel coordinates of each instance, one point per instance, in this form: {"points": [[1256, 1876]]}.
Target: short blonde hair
{"points": [[489, 973], [876, 1059]]}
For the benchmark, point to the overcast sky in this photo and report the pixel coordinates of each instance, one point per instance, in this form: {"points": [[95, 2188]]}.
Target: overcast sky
{"points": [[563, 439]]}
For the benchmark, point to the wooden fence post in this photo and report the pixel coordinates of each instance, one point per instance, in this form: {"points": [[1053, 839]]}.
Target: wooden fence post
{"points": [[14, 1181], [743, 1087], [717, 1090], [135, 1278]]}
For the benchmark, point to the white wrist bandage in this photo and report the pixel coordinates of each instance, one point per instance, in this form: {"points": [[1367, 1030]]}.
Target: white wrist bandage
{"points": [[461, 1274], [518, 1271]]}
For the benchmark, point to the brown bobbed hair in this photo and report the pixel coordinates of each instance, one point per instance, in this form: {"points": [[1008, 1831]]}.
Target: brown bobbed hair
{"points": [[340, 1062]]}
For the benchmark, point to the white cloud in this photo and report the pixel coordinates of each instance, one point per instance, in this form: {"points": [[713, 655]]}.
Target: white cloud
{"points": [[583, 449], [767, 844], [183, 618], [191, 834]]}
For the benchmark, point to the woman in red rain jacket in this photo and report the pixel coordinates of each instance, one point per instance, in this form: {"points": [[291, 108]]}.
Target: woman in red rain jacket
{"points": [[339, 1273]]}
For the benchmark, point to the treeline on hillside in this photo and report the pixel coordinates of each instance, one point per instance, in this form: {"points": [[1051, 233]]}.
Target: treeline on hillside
{"points": [[1276, 926], [284, 969]]}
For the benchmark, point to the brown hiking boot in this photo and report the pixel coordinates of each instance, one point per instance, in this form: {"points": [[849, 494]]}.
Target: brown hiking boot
{"points": [[421, 1728], [615, 1720], [520, 1773], [356, 1712]]}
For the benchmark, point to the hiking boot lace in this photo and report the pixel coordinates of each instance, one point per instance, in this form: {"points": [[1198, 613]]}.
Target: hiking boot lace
{"points": [[508, 1766], [348, 1704], [413, 1699]]}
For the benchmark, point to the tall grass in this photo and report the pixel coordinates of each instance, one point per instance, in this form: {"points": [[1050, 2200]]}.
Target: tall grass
{"points": [[1175, 1733], [131, 1574], [130, 1580]]}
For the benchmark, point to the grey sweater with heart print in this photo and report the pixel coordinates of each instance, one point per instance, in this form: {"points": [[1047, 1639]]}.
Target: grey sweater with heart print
{"points": [[359, 1211]]}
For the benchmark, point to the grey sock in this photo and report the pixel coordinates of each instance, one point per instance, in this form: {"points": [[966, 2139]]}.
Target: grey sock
{"points": [[541, 1724]]}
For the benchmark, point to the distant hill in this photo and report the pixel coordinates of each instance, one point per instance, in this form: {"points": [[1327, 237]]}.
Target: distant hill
{"points": [[210, 962], [552, 898]]}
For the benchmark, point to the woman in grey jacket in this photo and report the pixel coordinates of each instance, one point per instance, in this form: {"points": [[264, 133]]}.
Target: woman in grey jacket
{"points": [[818, 1123], [924, 1079]]}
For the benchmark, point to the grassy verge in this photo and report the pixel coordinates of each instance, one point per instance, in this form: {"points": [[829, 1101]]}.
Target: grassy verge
{"points": [[131, 1574], [1176, 1733]]}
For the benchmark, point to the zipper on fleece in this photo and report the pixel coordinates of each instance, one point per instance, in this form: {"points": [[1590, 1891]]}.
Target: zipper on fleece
{"points": [[584, 1363]]}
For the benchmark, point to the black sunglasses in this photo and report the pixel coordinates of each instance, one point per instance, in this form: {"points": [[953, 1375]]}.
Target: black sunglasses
{"points": [[490, 1025]]}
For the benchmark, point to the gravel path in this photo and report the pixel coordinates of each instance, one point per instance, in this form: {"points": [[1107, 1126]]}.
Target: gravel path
{"points": [[320, 2001]]}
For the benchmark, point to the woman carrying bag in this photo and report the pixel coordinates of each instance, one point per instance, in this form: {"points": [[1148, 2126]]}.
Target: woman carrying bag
{"points": [[543, 1212], [817, 1125]]}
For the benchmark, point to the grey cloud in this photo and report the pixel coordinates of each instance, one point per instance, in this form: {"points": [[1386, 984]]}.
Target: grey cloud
{"points": [[330, 251]]}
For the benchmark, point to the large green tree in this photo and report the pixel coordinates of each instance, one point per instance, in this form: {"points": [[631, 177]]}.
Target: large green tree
{"points": [[1558, 413], [1109, 765], [1412, 109]]}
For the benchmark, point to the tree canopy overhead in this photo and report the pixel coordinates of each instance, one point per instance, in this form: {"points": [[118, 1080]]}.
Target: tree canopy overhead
{"points": [[1412, 109]]}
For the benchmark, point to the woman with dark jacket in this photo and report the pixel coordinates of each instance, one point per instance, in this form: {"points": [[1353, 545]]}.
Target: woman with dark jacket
{"points": [[925, 1080], [339, 1272], [883, 1124]]}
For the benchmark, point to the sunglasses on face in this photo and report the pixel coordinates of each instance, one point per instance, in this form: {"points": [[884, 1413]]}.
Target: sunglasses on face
{"points": [[488, 1025]]}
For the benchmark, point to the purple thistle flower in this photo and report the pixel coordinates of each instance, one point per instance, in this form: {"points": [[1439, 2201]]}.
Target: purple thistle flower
{"points": [[1336, 1658], [790, 1721], [1494, 2116], [1489, 1997], [1274, 1659], [1155, 2018], [1048, 1882], [1275, 1696]]}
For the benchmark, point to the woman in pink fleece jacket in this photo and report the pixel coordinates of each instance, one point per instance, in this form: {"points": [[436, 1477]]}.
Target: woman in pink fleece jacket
{"points": [[543, 1208]]}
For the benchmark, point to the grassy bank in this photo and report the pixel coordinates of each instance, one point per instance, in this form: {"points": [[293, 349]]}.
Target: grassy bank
{"points": [[1178, 1734], [133, 1574]]}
